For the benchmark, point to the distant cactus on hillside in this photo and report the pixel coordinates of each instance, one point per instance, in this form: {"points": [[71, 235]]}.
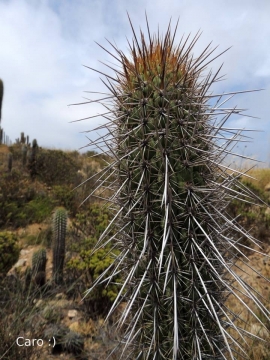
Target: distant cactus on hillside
{"points": [[1, 97], [39, 261], [59, 243], [10, 159]]}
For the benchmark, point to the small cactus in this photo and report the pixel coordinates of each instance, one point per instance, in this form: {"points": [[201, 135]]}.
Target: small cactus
{"points": [[39, 261], [55, 334], [59, 241], [27, 278], [73, 343]]}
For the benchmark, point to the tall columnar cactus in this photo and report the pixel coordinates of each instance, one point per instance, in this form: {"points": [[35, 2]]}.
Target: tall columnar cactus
{"points": [[167, 141], [10, 160], [59, 243], [1, 97], [24, 154], [23, 139], [32, 159]]}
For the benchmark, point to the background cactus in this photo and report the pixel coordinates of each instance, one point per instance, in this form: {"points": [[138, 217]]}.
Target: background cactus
{"points": [[1, 97], [23, 139], [39, 260], [168, 143], [73, 342], [24, 154], [32, 159], [27, 278], [59, 243], [10, 158]]}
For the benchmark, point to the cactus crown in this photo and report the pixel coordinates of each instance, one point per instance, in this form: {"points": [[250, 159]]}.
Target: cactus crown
{"points": [[171, 189]]}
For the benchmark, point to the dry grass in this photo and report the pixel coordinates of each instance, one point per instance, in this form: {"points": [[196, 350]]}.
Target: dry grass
{"points": [[262, 176], [255, 349]]}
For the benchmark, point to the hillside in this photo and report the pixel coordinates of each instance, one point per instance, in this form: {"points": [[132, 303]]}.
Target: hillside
{"points": [[34, 184]]}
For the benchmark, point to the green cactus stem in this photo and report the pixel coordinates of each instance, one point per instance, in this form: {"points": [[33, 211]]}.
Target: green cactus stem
{"points": [[10, 160], [24, 155], [39, 260], [168, 144], [73, 343], [23, 139], [1, 97], [59, 228]]}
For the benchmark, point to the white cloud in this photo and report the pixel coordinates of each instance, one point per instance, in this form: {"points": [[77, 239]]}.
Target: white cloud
{"points": [[45, 42]]}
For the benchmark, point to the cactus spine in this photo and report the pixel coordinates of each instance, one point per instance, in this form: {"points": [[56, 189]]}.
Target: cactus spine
{"points": [[59, 243], [172, 188]]}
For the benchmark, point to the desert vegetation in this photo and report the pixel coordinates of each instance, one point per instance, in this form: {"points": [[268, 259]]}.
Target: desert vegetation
{"points": [[33, 305]]}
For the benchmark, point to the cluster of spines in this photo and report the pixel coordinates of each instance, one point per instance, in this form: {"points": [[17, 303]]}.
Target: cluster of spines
{"points": [[172, 188]]}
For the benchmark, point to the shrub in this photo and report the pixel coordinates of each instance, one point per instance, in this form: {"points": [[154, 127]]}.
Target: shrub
{"points": [[55, 167], [9, 251]]}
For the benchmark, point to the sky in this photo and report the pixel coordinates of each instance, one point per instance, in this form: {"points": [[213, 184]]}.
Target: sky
{"points": [[46, 44]]}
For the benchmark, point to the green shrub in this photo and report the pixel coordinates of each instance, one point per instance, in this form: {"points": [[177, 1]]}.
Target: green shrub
{"points": [[55, 167], [38, 209], [9, 251], [86, 229], [64, 196]]}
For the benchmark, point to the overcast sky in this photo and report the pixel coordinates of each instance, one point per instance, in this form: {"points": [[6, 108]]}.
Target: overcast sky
{"points": [[45, 43]]}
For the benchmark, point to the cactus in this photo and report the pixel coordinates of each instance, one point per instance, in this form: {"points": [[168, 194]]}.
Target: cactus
{"points": [[1, 97], [27, 278], [59, 243], [1, 135], [24, 155], [55, 334], [32, 159], [171, 189], [23, 139], [10, 158], [39, 260], [73, 343]]}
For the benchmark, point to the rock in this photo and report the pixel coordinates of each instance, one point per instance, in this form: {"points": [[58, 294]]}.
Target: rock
{"points": [[38, 302], [72, 313], [75, 326], [60, 296], [24, 252], [20, 263]]}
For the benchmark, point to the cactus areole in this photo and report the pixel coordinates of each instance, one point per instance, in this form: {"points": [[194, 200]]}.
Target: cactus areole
{"points": [[171, 188]]}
